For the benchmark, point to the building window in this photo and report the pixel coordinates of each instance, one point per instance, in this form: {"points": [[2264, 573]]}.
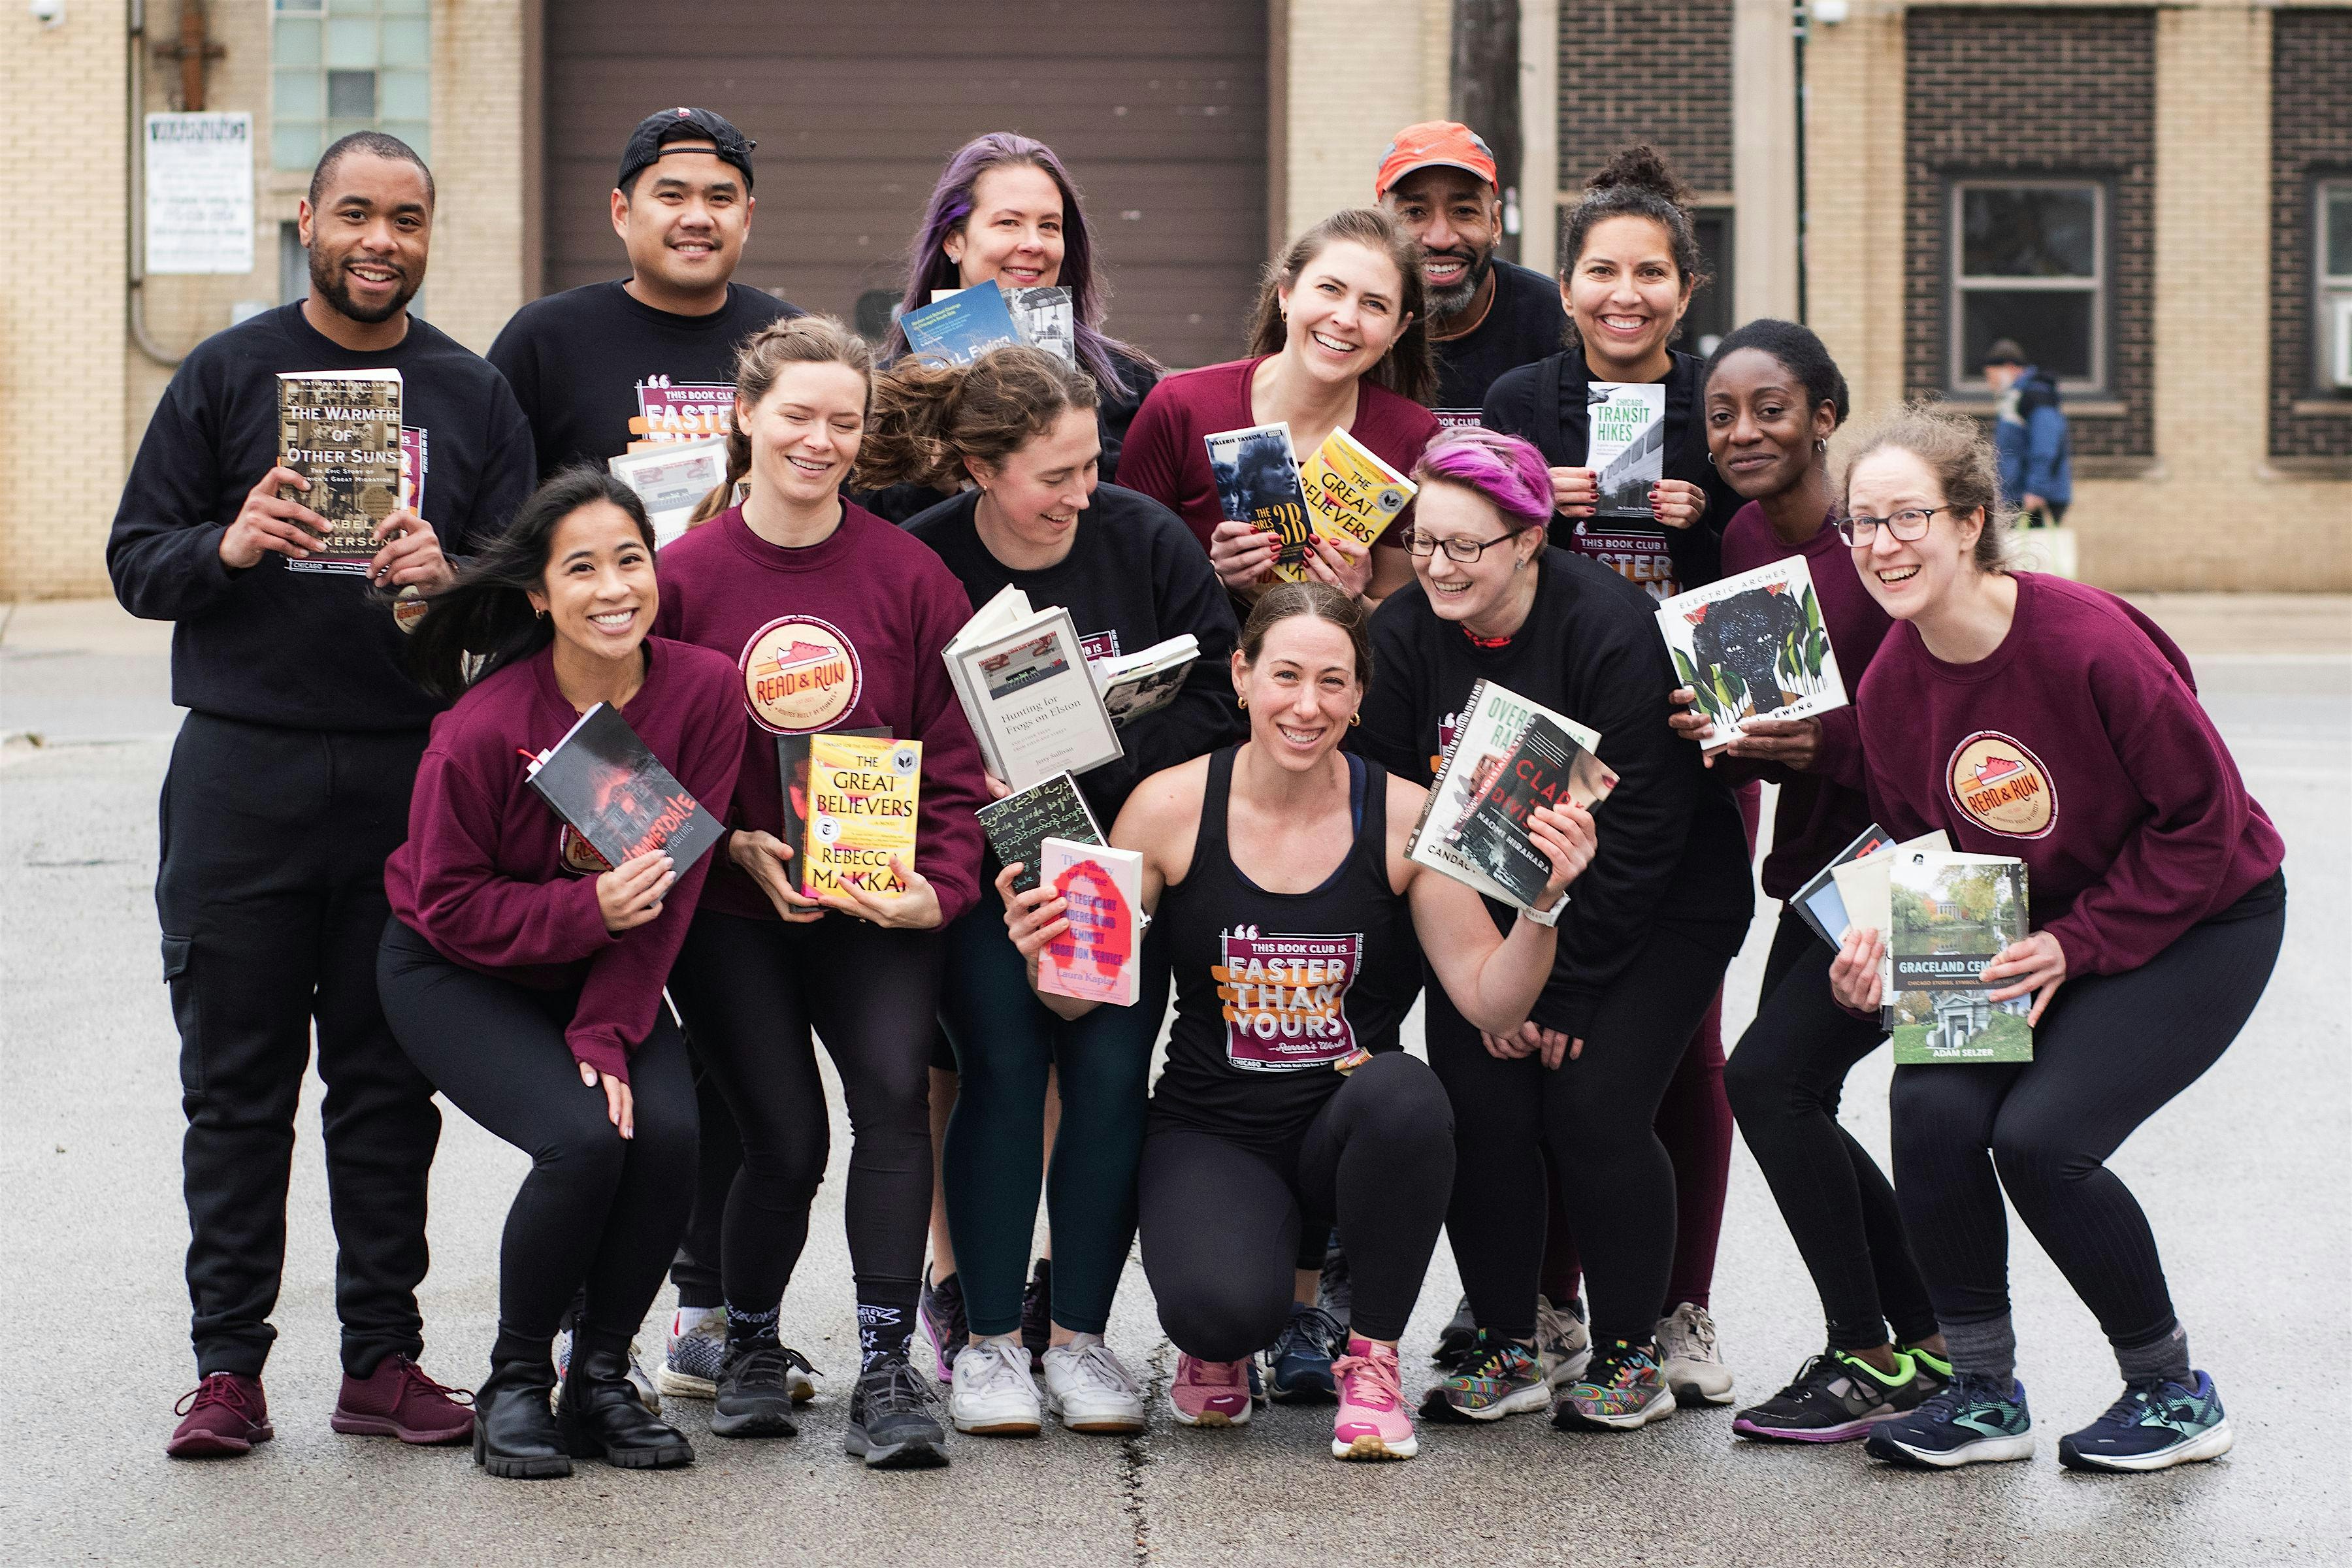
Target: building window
{"points": [[2333, 318], [341, 66], [2030, 263], [1709, 318]]}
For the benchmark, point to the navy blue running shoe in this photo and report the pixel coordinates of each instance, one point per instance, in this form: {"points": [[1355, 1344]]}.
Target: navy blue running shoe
{"points": [[2157, 1424], [1974, 1421], [1298, 1364]]}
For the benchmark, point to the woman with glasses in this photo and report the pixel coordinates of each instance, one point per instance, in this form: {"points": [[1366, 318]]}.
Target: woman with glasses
{"points": [[1654, 922], [2030, 717]]}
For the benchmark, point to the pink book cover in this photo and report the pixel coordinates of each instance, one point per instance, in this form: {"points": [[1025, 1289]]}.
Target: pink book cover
{"points": [[1095, 959]]}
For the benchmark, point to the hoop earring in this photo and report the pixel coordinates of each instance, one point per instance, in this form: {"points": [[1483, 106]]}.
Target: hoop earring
{"points": [[1821, 444], [1710, 458], [1242, 702], [542, 614], [1354, 720]]}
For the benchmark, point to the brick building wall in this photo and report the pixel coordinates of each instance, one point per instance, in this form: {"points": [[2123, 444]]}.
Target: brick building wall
{"points": [[2311, 138], [2035, 92], [1646, 71]]}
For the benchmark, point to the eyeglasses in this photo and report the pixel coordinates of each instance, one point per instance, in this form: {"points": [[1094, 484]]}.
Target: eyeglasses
{"points": [[1463, 550], [1909, 524]]}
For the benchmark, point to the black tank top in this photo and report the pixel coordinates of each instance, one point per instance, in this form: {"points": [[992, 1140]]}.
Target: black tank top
{"points": [[1273, 990]]}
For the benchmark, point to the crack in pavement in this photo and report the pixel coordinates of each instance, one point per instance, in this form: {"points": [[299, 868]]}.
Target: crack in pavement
{"points": [[1134, 1454]]}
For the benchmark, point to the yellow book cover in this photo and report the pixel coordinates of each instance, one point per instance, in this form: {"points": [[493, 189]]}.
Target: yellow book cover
{"points": [[863, 791], [1350, 494]]}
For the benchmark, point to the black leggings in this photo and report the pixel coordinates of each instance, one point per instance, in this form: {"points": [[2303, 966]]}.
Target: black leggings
{"points": [[1225, 1223], [2109, 1053], [751, 993], [1596, 1117], [1784, 1080], [597, 1209]]}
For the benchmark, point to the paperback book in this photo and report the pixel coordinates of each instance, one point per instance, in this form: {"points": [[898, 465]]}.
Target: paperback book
{"points": [[1953, 915], [1488, 761], [340, 430], [1625, 443], [1022, 675], [1541, 767], [1257, 482], [1863, 891], [1020, 824], [863, 793], [671, 478], [1753, 647], [962, 327], [1350, 494], [1818, 902], [1045, 317], [610, 789], [792, 768], [1095, 959], [1146, 681]]}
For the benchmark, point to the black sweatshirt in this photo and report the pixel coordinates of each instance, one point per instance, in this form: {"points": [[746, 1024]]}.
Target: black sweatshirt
{"points": [[1671, 848], [304, 649], [1525, 322], [1134, 576], [577, 360], [1544, 402]]}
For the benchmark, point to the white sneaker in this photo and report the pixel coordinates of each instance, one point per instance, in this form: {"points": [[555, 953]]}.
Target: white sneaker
{"points": [[646, 1392], [1090, 1389], [1693, 1366], [695, 1351], [1563, 1341], [992, 1392]]}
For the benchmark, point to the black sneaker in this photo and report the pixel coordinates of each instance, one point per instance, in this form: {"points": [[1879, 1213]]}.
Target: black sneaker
{"points": [[1835, 1398], [1037, 1314], [1457, 1342], [940, 1310], [891, 1426], [1338, 1294], [755, 1392], [1298, 1363]]}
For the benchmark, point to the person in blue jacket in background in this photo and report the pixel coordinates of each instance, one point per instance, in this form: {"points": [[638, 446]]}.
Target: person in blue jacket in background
{"points": [[2037, 470]]}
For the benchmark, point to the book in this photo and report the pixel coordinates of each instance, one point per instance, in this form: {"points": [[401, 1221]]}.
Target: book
{"points": [[1095, 959], [793, 768], [1818, 902], [962, 327], [1020, 823], [671, 478], [1953, 914], [613, 793], [1257, 482], [1542, 766], [1480, 743], [1864, 889], [1625, 443], [415, 463], [1046, 317], [1022, 675], [1350, 494], [1147, 680], [863, 793], [340, 430], [1753, 647]]}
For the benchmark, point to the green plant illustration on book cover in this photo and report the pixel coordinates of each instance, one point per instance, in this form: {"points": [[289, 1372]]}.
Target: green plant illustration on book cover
{"points": [[1754, 646]]}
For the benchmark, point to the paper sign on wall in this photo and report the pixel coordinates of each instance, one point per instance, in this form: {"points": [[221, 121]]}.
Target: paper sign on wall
{"points": [[199, 193]]}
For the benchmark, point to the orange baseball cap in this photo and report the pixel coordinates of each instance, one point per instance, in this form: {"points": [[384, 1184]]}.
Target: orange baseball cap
{"points": [[1434, 143]]}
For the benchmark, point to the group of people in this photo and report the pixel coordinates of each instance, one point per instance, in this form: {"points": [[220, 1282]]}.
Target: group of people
{"points": [[351, 846]]}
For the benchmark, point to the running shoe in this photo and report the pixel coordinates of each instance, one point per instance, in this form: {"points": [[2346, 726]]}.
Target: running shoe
{"points": [[1257, 1384], [1835, 1399], [1458, 1339], [1372, 1422], [225, 1414], [754, 1396], [1090, 1389], [1624, 1388], [944, 1323], [992, 1393], [1209, 1393], [1336, 1294], [695, 1353], [1693, 1366], [1562, 1340], [1037, 1313], [1502, 1378], [639, 1379], [1975, 1421], [890, 1423], [1298, 1364], [2157, 1424]]}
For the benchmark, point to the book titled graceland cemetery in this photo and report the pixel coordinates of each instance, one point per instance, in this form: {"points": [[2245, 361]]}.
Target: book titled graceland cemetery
{"points": [[340, 430], [1753, 647], [1953, 914], [610, 790]]}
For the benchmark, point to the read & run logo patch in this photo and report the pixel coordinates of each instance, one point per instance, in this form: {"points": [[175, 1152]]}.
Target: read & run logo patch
{"points": [[800, 674], [2001, 787]]}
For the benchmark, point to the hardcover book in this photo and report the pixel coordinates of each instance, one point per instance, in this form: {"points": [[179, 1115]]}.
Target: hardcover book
{"points": [[1625, 443], [1257, 483], [1753, 647], [340, 430], [1146, 681], [962, 327], [1818, 902], [862, 792], [1485, 740], [1545, 764], [1863, 885], [1048, 320], [610, 789], [792, 768], [1350, 494], [1953, 915], [1022, 675], [671, 478], [1095, 960], [1020, 823]]}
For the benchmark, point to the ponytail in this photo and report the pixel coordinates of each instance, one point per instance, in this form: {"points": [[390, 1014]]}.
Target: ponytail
{"points": [[930, 419], [765, 354]]}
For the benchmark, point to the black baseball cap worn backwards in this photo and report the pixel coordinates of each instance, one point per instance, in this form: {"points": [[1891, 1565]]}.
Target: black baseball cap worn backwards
{"points": [[657, 130]]}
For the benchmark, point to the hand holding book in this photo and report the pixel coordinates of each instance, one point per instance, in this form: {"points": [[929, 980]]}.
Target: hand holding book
{"points": [[2037, 964], [630, 894]]}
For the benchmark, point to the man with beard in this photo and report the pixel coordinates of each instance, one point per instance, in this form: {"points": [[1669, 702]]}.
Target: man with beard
{"points": [[288, 787], [1485, 315]]}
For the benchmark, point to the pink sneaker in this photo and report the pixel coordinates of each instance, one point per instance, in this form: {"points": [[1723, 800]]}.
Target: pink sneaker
{"points": [[1213, 1392], [1373, 1423]]}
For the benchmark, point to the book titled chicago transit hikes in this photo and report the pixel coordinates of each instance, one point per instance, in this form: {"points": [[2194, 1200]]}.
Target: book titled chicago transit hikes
{"points": [[1505, 755], [862, 792], [1256, 474], [1019, 824], [340, 430], [1625, 443], [610, 790], [1350, 494], [1102, 890], [1953, 914], [1753, 647]]}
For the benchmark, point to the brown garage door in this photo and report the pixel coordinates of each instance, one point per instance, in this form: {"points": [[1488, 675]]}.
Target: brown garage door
{"points": [[1158, 108]]}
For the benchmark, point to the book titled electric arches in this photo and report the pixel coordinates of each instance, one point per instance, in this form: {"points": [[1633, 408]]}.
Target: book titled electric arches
{"points": [[610, 789]]}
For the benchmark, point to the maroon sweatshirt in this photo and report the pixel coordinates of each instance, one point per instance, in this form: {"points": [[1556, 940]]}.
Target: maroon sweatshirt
{"points": [[843, 635], [2078, 746], [1166, 457], [1823, 809], [484, 876]]}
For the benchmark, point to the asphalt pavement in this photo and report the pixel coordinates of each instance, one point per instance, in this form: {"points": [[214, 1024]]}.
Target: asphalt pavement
{"points": [[2245, 1178]]}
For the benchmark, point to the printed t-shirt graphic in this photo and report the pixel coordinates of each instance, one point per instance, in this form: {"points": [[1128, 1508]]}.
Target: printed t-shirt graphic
{"points": [[800, 674], [1285, 996], [1642, 558], [681, 410], [2001, 787]]}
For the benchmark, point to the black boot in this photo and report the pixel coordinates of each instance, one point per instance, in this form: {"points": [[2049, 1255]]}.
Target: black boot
{"points": [[514, 1435], [604, 1418]]}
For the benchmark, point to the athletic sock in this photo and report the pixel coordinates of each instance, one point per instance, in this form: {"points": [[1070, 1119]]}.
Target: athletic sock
{"points": [[886, 1317], [699, 1300], [745, 1329], [1985, 1349], [2165, 1356]]}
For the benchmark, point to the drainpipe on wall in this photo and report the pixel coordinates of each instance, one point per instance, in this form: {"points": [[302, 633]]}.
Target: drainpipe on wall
{"points": [[137, 204], [1799, 18]]}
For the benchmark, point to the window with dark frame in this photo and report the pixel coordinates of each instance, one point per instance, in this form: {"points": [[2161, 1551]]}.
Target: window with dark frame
{"points": [[1709, 317], [2029, 262], [2332, 318]]}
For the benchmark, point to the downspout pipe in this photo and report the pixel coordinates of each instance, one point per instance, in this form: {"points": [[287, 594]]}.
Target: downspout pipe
{"points": [[137, 206]]}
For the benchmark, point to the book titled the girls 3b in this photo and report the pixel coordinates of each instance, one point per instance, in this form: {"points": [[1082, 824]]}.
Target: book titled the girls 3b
{"points": [[863, 791], [1490, 761], [1095, 960], [1953, 914], [610, 789], [1350, 495], [1256, 474], [340, 430], [1753, 647]]}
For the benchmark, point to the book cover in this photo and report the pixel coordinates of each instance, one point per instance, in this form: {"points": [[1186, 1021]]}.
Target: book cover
{"points": [[415, 463], [1146, 681], [862, 792], [1478, 742], [1350, 494], [1047, 319], [1095, 959], [1032, 700], [792, 768], [340, 430], [610, 789], [1753, 647], [1545, 765], [1818, 902], [1257, 483], [1863, 885], [1625, 443], [1020, 823], [962, 327], [1953, 914], [671, 478]]}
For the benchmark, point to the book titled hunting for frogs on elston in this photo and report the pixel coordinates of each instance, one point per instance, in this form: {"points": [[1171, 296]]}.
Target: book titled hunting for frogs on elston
{"points": [[340, 429], [1505, 755], [610, 789], [1753, 647]]}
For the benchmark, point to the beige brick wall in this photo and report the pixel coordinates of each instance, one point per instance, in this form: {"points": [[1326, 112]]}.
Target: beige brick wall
{"points": [[1328, 142]]}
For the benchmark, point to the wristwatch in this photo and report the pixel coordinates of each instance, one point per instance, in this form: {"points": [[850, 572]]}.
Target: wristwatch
{"points": [[1549, 917]]}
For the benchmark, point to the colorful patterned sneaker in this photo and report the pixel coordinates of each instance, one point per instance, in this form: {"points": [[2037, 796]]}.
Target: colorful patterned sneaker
{"points": [[224, 1415], [1458, 1339], [694, 1354], [1974, 1421], [397, 1400], [1037, 1313], [1373, 1423], [1624, 1388], [2157, 1424], [1835, 1398], [993, 1392], [1209, 1393], [647, 1391], [1502, 1378], [1298, 1364], [1693, 1366], [1090, 1389], [1562, 1340], [944, 1323]]}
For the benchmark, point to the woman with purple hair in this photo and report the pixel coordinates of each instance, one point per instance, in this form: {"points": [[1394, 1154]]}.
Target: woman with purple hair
{"points": [[1654, 922]]}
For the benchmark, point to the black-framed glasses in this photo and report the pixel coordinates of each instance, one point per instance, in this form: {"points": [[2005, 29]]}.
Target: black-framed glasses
{"points": [[1465, 551], [1909, 524]]}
